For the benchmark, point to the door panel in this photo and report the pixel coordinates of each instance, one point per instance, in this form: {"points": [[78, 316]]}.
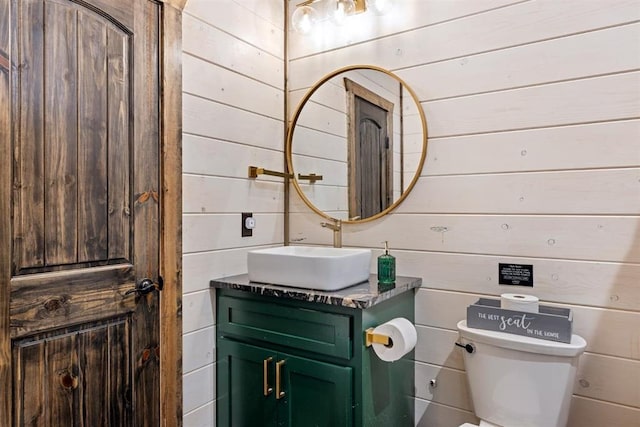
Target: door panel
{"points": [[59, 161], [118, 151], [44, 301], [85, 147], [72, 157], [316, 393], [28, 197], [373, 166], [92, 138], [240, 391], [72, 376]]}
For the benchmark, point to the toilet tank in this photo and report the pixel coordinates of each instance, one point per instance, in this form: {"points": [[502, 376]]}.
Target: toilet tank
{"points": [[520, 381]]}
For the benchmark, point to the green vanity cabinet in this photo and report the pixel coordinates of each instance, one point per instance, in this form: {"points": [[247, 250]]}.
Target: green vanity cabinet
{"points": [[260, 387], [283, 361]]}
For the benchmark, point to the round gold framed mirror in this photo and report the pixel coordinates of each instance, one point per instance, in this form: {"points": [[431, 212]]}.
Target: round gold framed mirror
{"points": [[357, 144]]}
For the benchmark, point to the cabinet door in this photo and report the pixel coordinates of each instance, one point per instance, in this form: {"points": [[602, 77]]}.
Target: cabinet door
{"points": [[241, 373], [316, 394]]}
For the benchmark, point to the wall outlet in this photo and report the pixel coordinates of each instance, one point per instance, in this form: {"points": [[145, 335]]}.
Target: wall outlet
{"points": [[248, 224]]}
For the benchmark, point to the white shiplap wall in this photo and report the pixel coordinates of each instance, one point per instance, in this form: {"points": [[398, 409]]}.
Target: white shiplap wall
{"points": [[233, 108], [533, 111]]}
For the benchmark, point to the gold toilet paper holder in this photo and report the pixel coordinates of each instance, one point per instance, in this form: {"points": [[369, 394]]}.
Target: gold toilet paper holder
{"points": [[371, 337]]}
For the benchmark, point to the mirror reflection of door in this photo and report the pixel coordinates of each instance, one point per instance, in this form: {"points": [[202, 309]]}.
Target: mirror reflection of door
{"points": [[370, 151]]}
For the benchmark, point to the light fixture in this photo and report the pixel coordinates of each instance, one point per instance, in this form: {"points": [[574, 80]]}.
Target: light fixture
{"points": [[341, 10], [380, 7], [307, 13], [304, 18]]}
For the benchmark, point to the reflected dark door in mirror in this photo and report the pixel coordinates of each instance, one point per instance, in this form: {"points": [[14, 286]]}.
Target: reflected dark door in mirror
{"points": [[373, 161]]}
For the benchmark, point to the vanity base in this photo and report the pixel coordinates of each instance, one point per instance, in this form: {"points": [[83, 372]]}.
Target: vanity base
{"points": [[284, 362]]}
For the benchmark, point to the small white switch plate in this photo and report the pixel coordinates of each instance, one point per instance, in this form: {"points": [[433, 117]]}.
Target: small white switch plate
{"points": [[248, 224]]}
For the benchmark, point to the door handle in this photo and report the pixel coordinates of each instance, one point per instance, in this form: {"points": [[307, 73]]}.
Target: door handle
{"points": [[266, 390], [145, 286], [279, 391]]}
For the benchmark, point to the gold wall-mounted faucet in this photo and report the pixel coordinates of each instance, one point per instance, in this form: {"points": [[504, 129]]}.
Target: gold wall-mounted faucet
{"points": [[336, 226]]}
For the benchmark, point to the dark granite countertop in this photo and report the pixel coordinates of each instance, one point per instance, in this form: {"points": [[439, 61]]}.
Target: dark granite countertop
{"points": [[363, 295]]}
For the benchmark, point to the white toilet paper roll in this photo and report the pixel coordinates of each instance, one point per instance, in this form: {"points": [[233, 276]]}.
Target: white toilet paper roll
{"points": [[519, 302], [403, 339]]}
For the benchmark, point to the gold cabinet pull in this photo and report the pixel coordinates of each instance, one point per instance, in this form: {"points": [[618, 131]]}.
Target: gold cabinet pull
{"points": [[266, 390], [279, 392]]}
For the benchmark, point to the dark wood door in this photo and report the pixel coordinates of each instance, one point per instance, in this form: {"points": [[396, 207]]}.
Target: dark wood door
{"points": [[373, 161], [82, 79]]}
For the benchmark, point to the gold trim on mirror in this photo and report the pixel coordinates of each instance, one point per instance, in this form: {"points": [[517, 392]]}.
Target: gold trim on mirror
{"points": [[296, 116]]}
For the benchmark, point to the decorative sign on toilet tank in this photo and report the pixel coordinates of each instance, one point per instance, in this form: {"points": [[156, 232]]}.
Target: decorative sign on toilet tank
{"points": [[549, 323]]}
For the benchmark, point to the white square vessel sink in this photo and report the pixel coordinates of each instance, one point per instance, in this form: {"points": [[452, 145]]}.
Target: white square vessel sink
{"points": [[308, 267]]}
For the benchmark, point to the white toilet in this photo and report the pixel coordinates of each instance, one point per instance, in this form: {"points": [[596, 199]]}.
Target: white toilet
{"points": [[517, 381]]}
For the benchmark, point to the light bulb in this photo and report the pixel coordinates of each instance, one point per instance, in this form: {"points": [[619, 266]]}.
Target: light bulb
{"points": [[303, 19], [343, 8], [380, 7]]}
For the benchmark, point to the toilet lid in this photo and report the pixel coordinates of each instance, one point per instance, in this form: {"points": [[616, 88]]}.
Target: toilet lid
{"points": [[482, 424]]}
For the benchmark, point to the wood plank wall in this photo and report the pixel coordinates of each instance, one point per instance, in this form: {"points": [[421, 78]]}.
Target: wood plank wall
{"points": [[533, 110], [233, 108]]}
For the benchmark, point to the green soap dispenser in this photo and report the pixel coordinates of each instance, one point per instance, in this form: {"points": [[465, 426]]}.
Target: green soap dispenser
{"points": [[386, 269]]}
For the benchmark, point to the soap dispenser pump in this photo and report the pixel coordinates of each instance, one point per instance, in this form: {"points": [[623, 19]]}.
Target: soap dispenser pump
{"points": [[386, 268]]}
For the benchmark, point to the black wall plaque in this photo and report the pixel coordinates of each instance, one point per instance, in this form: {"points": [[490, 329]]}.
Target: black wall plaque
{"points": [[515, 274]]}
